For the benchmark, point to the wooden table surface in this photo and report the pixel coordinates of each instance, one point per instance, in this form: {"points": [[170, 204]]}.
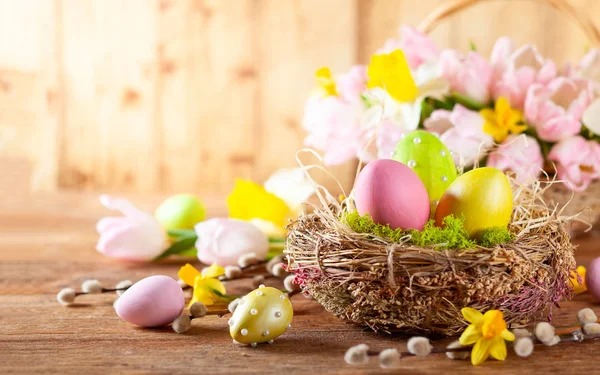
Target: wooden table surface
{"points": [[47, 243]]}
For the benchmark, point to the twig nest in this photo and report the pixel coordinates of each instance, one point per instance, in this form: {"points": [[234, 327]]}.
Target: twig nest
{"points": [[151, 302], [91, 287], [393, 284], [261, 316], [66, 296]]}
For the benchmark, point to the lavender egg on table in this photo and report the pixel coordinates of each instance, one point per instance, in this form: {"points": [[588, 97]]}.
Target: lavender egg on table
{"points": [[592, 278], [151, 302], [392, 193]]}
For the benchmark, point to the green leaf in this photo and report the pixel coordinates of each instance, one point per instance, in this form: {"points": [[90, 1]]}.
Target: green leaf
{"points": [[182, 245], [181, 232], [472, 45], [468, 102]]}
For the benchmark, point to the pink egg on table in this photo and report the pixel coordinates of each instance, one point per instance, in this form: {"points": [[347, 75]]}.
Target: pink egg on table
{"points": [[592, 278], [392, 193], [151, 302]]}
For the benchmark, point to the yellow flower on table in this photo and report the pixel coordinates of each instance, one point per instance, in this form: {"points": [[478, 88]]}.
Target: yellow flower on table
{"points": [[502, 120], [325, 83], [488, 332], [250, 200], [579, 287], [205, 283]]}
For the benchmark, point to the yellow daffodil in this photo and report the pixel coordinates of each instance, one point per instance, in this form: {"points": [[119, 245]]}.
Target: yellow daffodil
{"points": [[488, 332], [579, 287], [205, 283], [502, 120], [251, 201], [325, 82], [391, 72]]}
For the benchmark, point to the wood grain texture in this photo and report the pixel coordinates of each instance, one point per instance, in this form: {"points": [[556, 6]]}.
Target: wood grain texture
{"points": [[187, 95], [47, 243]]}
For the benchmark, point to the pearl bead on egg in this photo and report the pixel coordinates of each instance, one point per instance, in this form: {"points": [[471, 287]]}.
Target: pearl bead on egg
{"points": [[417, 140], [444, 178], [443, 153], [412, 163]]}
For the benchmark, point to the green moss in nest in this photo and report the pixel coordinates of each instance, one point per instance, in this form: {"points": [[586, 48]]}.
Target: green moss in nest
{"points": [[451, 236], [491, 237], [364, 224]]}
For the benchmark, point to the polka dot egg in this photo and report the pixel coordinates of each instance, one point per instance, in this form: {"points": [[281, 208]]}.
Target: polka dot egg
{"points": [[429, 158], [261, 316]]}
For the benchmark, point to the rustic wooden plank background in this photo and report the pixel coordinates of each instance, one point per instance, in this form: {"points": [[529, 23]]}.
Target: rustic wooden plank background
{"points": [[183, 95]]}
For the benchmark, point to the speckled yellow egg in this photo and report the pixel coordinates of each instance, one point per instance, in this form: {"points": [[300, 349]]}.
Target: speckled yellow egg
{"points": [[261, 316], [482, 196]]}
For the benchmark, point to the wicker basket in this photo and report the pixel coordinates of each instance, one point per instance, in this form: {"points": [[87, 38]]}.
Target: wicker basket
{"points": [[398, 287]]}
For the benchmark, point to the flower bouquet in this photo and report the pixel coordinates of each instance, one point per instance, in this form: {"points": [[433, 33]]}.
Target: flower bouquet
{"points": [[515, 110]]}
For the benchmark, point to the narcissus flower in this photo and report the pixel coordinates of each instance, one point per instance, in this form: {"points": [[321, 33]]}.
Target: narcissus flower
{"points": [[502, 120], [391, 72], [249, 201], [325, 83], [578, 280], [488, 332], [207, 287]]}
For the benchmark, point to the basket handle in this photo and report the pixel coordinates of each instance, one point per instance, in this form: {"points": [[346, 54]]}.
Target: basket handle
{"points": [[562, 6]]}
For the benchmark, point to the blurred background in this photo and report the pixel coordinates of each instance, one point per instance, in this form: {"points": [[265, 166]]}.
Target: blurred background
{"points": [[159, 96]]}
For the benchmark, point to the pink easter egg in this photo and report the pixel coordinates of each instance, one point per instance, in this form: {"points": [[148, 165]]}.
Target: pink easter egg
{"points": [[592, 278], [392, 193], [151, 302]]}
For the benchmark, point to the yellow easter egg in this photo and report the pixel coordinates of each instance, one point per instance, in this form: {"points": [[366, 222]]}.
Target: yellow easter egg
{"points": [[261, 316], [482, 197]]}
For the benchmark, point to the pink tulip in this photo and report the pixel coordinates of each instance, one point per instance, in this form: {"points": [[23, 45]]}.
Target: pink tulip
{"points": [[417, 47], [469, 75], [589, 66], [351, 85], [578, 161], [555, 109], [462, 132], [334, 126], [135, 236], [224, 241], [520, 154], [515, 71], [388, 136]]}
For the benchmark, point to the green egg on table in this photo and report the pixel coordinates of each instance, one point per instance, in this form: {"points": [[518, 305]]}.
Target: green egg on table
{"points": [[181, 211], [430, 159], [482, 197]]}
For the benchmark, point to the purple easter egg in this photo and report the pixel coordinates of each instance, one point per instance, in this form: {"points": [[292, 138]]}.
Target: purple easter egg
{"points": [[151, 302], [592, 278], [392, 193]]}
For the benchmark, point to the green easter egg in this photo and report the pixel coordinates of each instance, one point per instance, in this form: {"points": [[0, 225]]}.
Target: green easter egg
{"points": [[425, 154], [181, 211]]}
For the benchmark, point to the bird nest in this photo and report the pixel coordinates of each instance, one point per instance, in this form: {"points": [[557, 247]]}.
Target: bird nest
{"points": [[399, 287]]}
